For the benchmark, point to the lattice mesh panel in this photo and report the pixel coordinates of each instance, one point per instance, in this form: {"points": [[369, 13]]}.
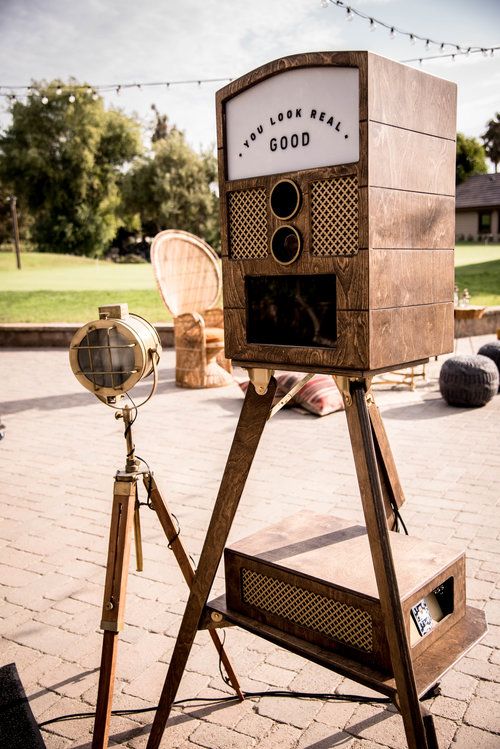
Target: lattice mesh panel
{"points": [[334, 216], [337, 620], [247, 224]]}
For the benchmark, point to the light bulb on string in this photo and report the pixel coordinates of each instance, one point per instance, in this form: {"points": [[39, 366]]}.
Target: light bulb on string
{"points": [[95, 96], [392, 33], [492, 52], [349, 15], [44, 100], [71, 98], [324, 3], [412, 39], [427, 45], [58, 91], [373, 25]]}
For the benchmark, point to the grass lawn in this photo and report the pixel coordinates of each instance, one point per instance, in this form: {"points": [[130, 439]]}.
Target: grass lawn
{"points": [[477, 268], [65, 288]]}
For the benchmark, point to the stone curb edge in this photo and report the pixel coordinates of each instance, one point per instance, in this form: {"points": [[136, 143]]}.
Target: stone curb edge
{"points": [[59, 335]]}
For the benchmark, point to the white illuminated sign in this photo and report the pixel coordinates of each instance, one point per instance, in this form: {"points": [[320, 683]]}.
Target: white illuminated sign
{"points": [[300, 119]]}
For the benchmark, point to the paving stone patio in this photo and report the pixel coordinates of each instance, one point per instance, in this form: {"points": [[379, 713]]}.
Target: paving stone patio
{"points": [[57, 462]]}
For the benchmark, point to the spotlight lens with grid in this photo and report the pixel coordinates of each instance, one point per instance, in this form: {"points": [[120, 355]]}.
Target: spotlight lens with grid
{"points": [[110, 355]]}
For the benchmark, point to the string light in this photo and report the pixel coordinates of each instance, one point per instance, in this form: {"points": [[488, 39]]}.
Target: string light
{"points": [[95, 92], [374, 22], [116, 88], [465, 53]]}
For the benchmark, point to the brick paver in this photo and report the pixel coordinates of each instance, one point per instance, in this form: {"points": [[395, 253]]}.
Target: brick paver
{"points": [[57, 465]]}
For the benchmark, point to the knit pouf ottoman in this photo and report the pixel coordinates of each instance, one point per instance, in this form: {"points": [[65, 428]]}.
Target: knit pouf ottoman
{"points": [[468, 380], [492, 351]]}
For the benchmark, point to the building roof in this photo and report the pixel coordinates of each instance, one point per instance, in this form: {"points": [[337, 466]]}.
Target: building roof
{"points": [[479, 191]]}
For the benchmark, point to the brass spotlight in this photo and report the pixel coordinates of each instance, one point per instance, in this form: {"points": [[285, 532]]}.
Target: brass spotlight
{"points": [[110, 355]]}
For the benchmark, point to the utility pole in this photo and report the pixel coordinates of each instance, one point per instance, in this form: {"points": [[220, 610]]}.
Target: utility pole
{"points": [[15, 229]]}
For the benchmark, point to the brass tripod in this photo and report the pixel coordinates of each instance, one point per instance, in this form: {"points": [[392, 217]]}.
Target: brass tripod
{"points": [[125, 523]]}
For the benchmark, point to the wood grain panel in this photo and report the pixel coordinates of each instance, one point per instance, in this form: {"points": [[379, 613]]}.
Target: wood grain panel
{"points": [[405, 97], [351, 351], [405, 334], [406, 160], [410, 220], [401, 278], [351, 272]]}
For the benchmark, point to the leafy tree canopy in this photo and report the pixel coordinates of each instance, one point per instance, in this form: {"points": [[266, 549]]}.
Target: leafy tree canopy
{"points": [[491, 140], [471, 158], [63, 156], [172, 186]]}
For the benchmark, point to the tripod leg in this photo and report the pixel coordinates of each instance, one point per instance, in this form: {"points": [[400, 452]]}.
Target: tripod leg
{"points": [[254, 415], [113, 611], [391, 486], [186, 566], [365, 459]]}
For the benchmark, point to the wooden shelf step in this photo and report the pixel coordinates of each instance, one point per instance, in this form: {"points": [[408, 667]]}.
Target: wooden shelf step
{"points": [[429, 668]]}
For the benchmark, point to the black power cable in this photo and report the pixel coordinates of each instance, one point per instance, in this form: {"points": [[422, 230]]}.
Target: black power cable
{"points": [[217, 700]]}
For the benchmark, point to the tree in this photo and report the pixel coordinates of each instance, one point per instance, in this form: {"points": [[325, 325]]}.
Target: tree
{"points": [[491, 140], [63, 156], [471, 158], [172, 187]]}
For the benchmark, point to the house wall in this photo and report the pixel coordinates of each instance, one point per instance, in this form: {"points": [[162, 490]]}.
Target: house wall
{"points": [[495, 222], [467, 224]]}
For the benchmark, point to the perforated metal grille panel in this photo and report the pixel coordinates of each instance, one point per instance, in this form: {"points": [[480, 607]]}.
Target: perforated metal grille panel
{"points": [[247, 224], [337, 620], [334, 216]]}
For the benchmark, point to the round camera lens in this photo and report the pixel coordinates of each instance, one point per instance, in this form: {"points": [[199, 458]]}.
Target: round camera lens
{"points": [[286, 244], [285, 199]]}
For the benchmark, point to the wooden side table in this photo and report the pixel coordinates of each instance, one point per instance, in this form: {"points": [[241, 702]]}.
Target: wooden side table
{"points": [[461, 314]]}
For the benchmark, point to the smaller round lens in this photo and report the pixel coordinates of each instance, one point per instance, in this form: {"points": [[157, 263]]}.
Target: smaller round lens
{"points": [[285, 199], [286, 245]]}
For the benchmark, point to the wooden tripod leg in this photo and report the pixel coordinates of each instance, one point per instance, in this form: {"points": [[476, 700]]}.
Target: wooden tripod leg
{"points": [[391, 486], [113, 610], [365, 459], [254, 415], [186, 566]]}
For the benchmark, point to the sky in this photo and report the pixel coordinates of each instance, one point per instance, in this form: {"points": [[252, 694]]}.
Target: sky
{"points": [[139, 41]]}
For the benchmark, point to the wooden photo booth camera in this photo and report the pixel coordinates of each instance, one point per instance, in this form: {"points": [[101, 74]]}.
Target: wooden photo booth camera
{"points": [[337, 183]]}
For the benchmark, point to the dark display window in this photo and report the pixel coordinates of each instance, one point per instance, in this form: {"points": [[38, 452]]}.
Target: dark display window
{"points": [[485, 222], [292, 310]]}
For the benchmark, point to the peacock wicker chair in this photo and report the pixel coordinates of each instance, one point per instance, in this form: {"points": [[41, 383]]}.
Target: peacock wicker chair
{"points": [[188, 275]]}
